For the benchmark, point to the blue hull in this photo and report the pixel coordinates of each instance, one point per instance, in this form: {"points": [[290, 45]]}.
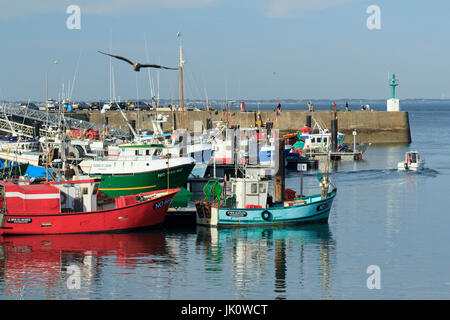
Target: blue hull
{"points": [[315, 210]]}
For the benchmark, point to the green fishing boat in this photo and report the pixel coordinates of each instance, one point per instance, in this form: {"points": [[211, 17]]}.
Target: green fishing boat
{"points": [[135, 168], [13, 171]]}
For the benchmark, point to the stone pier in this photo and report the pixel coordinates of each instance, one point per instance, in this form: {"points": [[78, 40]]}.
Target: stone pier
{"points": [[371, 126]]}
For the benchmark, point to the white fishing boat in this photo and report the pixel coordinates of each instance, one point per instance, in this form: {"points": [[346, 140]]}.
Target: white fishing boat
{"points": [[412, 162], [15, 149]]}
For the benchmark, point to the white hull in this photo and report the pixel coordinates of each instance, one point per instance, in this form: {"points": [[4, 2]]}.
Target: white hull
{"points": [[26, 158], [402, 166], [130, 166]]}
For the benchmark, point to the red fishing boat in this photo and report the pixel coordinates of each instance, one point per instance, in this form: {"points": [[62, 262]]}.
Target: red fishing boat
{"points": [[74, 207]]}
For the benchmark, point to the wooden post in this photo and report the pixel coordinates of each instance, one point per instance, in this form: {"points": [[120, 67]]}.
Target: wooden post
{"points": [[279, 175]]}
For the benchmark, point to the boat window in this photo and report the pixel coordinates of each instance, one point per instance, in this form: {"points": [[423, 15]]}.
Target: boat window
{"points": [[262, 188], [313, 140], [253, 188], [85, 190], [158, 152], [136, 152], [319, 140], [147, 152]]}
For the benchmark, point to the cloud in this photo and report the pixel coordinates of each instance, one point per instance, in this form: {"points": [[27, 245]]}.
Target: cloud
{"points": [[22, 8], [291, 8]]}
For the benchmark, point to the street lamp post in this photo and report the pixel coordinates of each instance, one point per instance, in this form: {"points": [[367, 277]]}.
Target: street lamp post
{"points": [[46, 81]]}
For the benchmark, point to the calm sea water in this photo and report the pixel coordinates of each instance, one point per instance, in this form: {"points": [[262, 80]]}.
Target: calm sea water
{"points": [[398, 221]]}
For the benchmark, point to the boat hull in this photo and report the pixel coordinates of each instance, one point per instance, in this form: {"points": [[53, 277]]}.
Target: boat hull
{"points": [[314, 211], [125, 184], [403, 166], [13, 171], [141, 215]]}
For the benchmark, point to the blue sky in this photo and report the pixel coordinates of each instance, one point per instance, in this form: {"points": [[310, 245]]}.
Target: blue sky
{"points": [[248, 49]]}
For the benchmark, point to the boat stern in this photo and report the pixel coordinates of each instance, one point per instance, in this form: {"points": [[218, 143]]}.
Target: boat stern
{"points": [[206, 214]]}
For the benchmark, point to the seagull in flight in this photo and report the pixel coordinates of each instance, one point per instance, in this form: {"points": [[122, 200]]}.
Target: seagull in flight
{"points": [[136, 65]]}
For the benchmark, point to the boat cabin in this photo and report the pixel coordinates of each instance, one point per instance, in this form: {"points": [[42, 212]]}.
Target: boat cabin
{"points": [[14, 144], [412, 157], [29, 198], [249, 192], [79, 194], [134, 151], [320, 141]]}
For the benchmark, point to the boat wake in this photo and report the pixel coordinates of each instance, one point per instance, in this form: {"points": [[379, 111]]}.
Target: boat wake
{"points": [[427, 172]]}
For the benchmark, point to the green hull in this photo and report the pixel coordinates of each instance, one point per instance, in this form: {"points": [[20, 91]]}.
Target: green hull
{"points": [[13, 171], [125, 184]]}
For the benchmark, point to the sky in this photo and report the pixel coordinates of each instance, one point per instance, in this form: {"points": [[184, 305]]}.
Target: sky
{"points": [[233, 49]]}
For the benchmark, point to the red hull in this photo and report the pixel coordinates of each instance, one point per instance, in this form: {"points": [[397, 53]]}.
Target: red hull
{"points": [[47, 257], [140, 215]]}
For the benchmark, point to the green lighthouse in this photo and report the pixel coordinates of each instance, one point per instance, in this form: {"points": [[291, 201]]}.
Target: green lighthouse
{"points": [[393, 104], [393, 83]]}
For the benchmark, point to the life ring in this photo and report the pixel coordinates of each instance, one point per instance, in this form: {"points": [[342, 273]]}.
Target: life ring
{"points": [[64, 198], [266, 215]]}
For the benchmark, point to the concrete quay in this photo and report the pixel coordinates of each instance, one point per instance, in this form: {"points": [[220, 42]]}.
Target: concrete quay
{"points": [[377, 127]]}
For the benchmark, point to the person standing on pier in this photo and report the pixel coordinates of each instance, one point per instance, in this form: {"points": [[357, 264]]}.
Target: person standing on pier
{"points": [[278, 109], [346, 106], [278, 113], [334, 106]]}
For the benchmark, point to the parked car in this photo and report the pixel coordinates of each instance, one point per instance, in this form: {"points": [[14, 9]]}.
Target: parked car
{"points": [[94, 106], [81, 106], [29, 105], [139, 105]]}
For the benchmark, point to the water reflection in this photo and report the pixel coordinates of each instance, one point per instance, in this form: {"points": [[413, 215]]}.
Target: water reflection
{"points": [[42, 263], [281, 251]]}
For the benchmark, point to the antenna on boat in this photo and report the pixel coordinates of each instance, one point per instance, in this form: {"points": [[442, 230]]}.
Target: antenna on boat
{"points": [[181, 64], [157, 78], [14, 133], [128, 122], [148, 71], [325, 183], [74, 77]]}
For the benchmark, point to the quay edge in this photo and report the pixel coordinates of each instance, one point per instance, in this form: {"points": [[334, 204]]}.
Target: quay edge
{"points": [[377, 127]]}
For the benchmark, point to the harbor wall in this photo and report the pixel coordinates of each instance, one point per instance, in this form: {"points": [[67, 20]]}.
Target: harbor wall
{"points": [[371, 126]]}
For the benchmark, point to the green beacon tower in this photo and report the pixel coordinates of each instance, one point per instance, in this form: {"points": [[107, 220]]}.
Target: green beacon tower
{"points": [[393, 104]]}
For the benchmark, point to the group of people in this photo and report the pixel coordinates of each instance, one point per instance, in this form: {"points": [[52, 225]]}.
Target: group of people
{"points": [[310, 107]]}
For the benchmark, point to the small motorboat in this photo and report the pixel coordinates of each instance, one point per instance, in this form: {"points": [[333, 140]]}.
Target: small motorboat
{"points": [[74, 206], [412, 162]]}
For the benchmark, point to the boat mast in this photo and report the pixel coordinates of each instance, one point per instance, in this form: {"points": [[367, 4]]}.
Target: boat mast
{"points": [[181, 63]]}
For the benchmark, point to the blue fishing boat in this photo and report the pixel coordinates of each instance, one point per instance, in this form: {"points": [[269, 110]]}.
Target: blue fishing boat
{"points": [[248, 204]]}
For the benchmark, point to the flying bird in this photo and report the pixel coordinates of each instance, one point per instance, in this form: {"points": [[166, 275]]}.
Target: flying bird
{"points": [[136, 65]]}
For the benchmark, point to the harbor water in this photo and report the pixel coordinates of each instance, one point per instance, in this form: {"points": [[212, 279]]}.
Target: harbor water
{"points": [[396, 221]]}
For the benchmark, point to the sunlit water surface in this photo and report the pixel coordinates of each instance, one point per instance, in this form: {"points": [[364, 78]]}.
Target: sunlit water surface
{"points": [[398, 221]]}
